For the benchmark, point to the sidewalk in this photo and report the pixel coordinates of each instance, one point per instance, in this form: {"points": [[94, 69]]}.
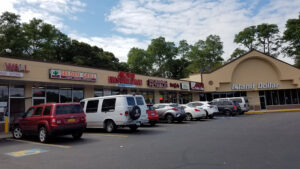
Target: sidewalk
{"points": [[271, 111], [5, 135]]}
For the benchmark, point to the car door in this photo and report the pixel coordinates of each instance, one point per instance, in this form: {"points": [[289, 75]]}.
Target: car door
{"points": [[160, 110], [108, 110], [25, 120], [35, 119], [93, 116]]}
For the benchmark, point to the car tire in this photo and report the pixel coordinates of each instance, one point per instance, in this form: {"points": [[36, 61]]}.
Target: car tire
{"points": [[189, 117], [17, 132], [77, 135], [169, 118], [207, 115], [228, 113], [135, 112], [211, 116], [43, 135], [133, 128], [110, 126]]}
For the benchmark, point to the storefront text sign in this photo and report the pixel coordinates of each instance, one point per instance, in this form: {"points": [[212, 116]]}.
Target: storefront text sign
{"points": [[185, 86], [11, 74], [125, 78], [252, 86], [13, 67], [72, 75], [174, 85], [157, 83], [197, 86]]}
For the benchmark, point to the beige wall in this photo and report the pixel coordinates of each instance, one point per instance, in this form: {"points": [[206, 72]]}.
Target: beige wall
{"points": [[28, 96]]}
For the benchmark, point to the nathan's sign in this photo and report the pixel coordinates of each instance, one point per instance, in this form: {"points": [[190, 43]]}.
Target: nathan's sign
{"points": [[174, 85], [197, 86], [125, 79], [72, 75], [252, 86], [13, 67], [157, 83]]}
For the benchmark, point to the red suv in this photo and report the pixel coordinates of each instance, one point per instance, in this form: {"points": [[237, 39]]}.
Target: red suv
{"points": [[46, 120], [152, 115]]}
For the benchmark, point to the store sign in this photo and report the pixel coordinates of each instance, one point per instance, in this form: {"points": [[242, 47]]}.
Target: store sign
{"points": [[185, 86], [174, 85], [72, 75], [11, 74], [157, 83], [125, 78], [197, 86], [252, 86], [13, 67]]}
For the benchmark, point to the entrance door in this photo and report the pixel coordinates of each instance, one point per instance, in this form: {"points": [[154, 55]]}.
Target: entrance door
{"points": [[17, 107], [262, 102]]}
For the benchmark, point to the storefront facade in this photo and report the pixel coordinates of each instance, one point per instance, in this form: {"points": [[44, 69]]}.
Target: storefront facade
{"points": [[267, 82], [24, 83]]}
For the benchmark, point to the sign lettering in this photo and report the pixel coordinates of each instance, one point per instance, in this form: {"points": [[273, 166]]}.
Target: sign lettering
{"points": [[13, 67], [72, 75], [125, 78], [157, 83], [197, 86]]}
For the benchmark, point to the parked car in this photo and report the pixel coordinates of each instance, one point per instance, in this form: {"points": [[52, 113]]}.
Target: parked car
{"points": [[170, 112], [152, 115], [226, 106], [46, 120], [243, 103], [111, 112], [209, 108], [193, 112]]}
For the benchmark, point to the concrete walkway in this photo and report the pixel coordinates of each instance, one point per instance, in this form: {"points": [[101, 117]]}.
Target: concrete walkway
{"points": [[271, 111], [5, 135]]}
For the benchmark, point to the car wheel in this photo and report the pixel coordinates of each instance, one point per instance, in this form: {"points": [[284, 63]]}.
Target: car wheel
{"points": [[207, 115], [169, 118], [77, 135], [110, 126], [211, 116], [189, 117], [228, 113], [17, 133], [43, 135], [133, 128]]}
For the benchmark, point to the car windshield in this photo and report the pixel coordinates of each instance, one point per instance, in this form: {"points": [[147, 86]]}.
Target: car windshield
{"points": [[68, 109]]}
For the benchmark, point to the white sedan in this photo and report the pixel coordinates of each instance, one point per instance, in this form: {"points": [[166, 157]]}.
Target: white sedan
{"points": [[209, 109], [193, 112]]}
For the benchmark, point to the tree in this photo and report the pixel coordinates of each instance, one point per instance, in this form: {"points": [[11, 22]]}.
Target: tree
{"points": [[268, 38], [247, 37], [139, 61], [292, 37], [236, 53]]}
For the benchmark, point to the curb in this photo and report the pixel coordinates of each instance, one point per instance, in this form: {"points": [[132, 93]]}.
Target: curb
{"points": [[271, 111], [4, 136]]}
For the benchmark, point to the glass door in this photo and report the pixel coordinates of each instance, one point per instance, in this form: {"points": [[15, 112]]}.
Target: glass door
{"points": [[262, 102]]}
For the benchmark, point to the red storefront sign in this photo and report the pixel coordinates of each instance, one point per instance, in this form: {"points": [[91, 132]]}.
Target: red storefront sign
{"points": [[13, 67], [157, 83], [197, 86], [125, 78], [174, 85]]}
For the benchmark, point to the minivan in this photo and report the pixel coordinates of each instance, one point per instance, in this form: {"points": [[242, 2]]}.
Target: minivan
{"points": [[111, 112]]}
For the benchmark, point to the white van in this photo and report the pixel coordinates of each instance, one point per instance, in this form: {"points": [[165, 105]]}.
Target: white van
{"points": [[243, 102], [111, 112]]}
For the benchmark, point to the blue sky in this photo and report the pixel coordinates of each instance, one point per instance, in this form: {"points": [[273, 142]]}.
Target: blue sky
{"points": [[118, 25]]}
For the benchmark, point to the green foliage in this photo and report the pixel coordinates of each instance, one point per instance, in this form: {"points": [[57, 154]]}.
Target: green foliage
{"points": [[292, 37], [236, 53], [139, 61], [246, 37]]}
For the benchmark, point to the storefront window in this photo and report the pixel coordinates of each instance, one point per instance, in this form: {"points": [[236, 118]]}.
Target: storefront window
{"points": [[52, 95], [202, 97], [172, 97], [185, 98], [77, 94], [216, 95], [288, 99], [229, 94], [3, 102], [275, 98], [223, 95], [115, 92], [294, 96], [281, 97], [65, 95], [237, 94], [17, 91], [98, 92], [268, 97], [209, 97], [38, 92]]}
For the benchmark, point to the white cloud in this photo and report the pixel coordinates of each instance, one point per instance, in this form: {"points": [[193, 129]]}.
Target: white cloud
{"points": [[196, 19]]}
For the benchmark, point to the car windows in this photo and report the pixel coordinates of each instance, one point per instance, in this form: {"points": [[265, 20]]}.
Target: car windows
{"points": [[68, 109], [139, 101], [29, 113], [197, 104], [47, 110], [130, 101], [82, 104], [238, 100], [108, 105], [92, 106], [38, 111], [227, 103]]}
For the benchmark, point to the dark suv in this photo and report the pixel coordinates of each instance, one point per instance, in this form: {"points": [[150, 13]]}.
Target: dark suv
{"points": [[227, 106], [46, 120]]}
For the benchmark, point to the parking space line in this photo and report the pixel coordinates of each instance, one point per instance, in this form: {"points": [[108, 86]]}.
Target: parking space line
{"points": [[43, 144], [110, 135], [26, 152]]}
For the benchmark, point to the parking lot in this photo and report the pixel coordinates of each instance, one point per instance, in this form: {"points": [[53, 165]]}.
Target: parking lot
{"points": [[248, 141]]}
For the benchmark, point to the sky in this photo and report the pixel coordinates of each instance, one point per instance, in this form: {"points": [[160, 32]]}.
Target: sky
{"points": [[119, 25]]}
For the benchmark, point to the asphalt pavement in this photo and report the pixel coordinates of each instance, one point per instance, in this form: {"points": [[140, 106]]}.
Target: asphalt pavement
{"points": [[244, 142]]}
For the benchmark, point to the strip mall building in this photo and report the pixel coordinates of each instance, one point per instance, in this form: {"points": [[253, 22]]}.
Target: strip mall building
{"points": [[267, 82]]}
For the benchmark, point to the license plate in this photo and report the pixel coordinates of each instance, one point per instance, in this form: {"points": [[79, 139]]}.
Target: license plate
{"points": [[152, 114], [71, 120]]}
